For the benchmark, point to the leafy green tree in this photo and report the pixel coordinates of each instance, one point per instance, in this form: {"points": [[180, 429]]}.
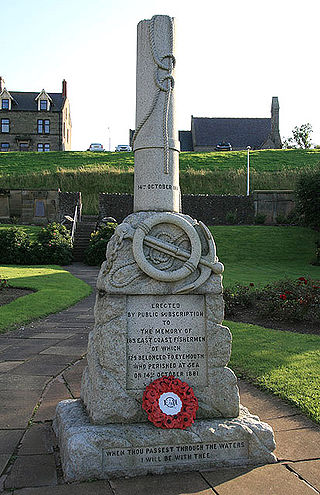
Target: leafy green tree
{"points": [[301, 137]]}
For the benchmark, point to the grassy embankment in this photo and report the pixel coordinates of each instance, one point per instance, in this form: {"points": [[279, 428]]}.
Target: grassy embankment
{"points": [[200, 173]]}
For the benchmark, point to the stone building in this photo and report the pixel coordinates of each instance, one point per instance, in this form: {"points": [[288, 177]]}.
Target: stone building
{"points": [[258, 133], [34, 121]]}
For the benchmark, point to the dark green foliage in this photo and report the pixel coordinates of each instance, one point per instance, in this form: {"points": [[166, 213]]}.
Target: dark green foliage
{"points": [[284, 300], [238, 297], [317, 258], [52, 246], [95, 254], [260, 219], [14, 246], [308, 196]]}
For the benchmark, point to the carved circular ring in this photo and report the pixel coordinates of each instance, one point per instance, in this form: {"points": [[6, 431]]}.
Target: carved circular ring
{"points": [[144, 228]]}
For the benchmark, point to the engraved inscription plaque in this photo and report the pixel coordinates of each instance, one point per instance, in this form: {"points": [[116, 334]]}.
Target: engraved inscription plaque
{"points": [[166, 335], [174, 455]]}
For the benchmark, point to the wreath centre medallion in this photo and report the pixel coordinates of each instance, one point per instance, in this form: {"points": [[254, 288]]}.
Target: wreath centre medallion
{"points": [[170, 403]]}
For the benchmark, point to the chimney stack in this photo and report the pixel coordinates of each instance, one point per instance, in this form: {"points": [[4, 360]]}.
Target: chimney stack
{"points": [[275, 131], [64, 88], [2, 84]]}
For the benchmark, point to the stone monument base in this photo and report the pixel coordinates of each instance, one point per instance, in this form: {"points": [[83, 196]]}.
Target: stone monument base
{"points": [[113, 450]]}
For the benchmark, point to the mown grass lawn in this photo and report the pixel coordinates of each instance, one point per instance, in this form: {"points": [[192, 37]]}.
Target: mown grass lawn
{"points": [[56, 289], [285, 363]]}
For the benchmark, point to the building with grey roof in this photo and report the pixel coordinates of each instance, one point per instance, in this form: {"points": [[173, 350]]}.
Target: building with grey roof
{"points": [[258, 133], [34, 121]]}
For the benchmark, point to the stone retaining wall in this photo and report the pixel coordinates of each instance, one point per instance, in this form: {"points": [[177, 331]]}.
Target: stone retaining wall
{"points": [[36, 207]]}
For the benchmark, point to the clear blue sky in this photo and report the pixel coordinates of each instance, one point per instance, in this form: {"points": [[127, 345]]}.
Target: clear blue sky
{"points": [[232, 57]]}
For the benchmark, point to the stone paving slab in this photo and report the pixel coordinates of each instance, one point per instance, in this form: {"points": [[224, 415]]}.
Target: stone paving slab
{"points": [[4, 459], [273, 479], [56, 392], [73, 377], [38, 440], [25, 350], [91, 488], [297, 422], [32, 470], [264, 404], [166, 484], [9, 439], [22, 383], [298, 445], [44, 365], [65, 350], [17, 408], [308, 470], [6, 366]]}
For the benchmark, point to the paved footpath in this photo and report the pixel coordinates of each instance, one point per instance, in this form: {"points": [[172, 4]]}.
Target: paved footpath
{"points": [[42, 364]]}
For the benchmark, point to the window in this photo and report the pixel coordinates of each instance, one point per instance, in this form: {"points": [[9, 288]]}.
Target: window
{"points": [[43, 126], [5, 125], [43, 105], [5, 104], [4, 147], [43, 147], [23, 146]]}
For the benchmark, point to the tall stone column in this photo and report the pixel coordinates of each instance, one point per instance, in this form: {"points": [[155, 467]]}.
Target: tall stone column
{"points": [[155, 142]]}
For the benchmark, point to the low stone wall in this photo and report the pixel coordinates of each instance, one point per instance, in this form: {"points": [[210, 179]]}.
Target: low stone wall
{"points": [[36, 207], [210, 209], [273, 204], [215, 210]]}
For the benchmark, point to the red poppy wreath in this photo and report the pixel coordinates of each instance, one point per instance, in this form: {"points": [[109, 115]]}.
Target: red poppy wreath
{"points": [[170, 403]]}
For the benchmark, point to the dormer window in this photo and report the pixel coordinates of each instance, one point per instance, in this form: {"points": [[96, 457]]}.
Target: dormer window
{"points": [[43, 105], [5, 104], [44, 101]]}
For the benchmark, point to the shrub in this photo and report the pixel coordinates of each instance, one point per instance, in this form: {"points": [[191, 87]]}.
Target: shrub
{"points": [[260, 219], [95, 254], [284, 300], [238, 297], [308, 198], [53, 245], [15, 246]]}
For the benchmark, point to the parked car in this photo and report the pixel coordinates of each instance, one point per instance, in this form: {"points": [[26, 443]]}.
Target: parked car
{"points": [[123, 147], [223, 146], [95, 147]]}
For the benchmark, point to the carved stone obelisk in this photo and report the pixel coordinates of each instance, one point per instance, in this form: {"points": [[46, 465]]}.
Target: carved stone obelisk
{"points": [[158, 312]]}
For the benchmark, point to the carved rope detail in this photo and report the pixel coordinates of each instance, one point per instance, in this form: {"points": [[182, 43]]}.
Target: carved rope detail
{"points": [[164, 84]]}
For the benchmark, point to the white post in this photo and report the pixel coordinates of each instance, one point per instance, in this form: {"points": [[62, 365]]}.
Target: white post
{"points": [[248, 170]]}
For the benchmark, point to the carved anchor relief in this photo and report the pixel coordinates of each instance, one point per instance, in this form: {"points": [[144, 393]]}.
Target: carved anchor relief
{"points": [[156, 254]]}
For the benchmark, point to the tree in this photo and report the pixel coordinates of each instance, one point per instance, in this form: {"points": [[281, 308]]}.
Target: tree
{"points": [[301, 137]]}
